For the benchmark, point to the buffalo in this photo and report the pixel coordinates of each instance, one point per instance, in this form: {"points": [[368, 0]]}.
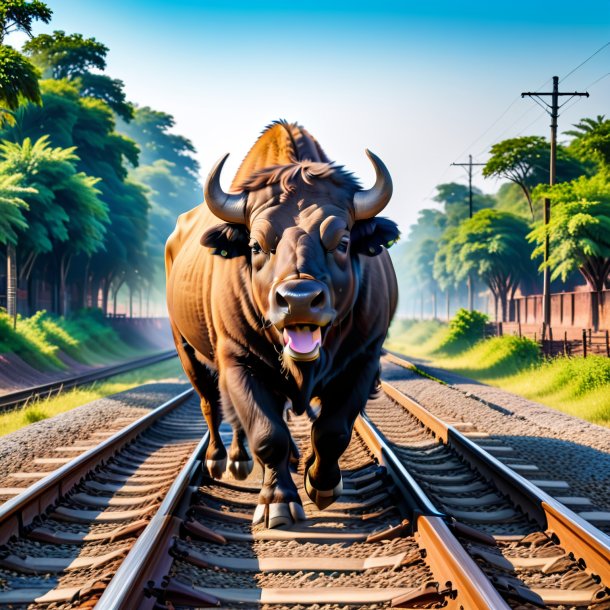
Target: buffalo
{"points": [[280, 292]]}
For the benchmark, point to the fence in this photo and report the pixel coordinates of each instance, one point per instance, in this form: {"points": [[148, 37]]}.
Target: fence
{"points": [[568, 309], [566, 341]]}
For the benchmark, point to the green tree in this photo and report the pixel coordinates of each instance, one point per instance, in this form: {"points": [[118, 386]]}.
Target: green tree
{"points": [[19, 16], [18, 77], [428, 226], [88, 123], [64, 216], [18, 84], [12, 207], [454, 198], [579, 232], [491, 245], [170, 172], [422, 271], [526, 160], [591, 140], [73, 57]]}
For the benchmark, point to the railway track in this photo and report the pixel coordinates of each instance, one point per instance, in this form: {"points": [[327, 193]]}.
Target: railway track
{"points": [[427, 519], [26, 395]]}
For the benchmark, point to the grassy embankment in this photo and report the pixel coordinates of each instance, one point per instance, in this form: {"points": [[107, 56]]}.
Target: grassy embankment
{"points": [[84, 337], [577, 386], [169, 370]]}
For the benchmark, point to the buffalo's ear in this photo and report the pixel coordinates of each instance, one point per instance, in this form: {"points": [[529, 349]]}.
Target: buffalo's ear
{"points": [[369, 237], [227, 240]]}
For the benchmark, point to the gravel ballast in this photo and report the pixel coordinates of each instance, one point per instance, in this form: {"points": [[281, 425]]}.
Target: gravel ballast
{"points": [[561, 446], [108, 414]]}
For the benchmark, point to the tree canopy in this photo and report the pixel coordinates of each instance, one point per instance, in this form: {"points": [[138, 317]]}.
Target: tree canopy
{"points": [[73, 57], [491, 245], [579, 228], [19, 16], [526, 161], [591, 140]]}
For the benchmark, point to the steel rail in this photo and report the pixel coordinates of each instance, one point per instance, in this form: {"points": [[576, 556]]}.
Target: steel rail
{"points": [[150, 554], [19, 512], [588, 544], [460, 578], [20, 397], [449, 562]]}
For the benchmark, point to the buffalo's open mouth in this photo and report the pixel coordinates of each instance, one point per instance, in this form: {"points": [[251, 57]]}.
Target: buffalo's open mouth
{"points": [[302, 342]]}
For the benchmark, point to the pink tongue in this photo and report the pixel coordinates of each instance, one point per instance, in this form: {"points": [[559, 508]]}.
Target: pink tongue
{"points": [[302, 341]]}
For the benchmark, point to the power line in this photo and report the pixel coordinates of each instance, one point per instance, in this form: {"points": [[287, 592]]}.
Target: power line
{"points": [[586, 60]]}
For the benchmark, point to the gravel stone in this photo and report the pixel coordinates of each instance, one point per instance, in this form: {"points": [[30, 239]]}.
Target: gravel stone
{"points": [[20, 448], [562, 447]]}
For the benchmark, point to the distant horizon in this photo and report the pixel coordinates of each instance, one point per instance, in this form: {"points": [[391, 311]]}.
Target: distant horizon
{"points": [[421, 86]]}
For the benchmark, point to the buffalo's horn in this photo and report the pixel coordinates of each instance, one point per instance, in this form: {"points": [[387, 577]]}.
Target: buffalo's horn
{"points": [[230, 208], [369, 203]]}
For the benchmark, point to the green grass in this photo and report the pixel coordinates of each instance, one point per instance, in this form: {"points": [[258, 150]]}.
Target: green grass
{"points": [[84, 337], [577, 386], [43, 409]]}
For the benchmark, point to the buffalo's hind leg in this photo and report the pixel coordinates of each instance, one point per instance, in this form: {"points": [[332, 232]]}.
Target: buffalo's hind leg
{"points": [[206, 385], [240, 463]]}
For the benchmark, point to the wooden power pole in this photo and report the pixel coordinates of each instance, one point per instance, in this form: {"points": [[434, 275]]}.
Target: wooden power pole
{"points": [[553, 110], [469, 165]]}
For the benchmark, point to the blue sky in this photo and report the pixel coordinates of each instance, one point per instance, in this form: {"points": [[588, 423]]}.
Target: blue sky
{"points": [[423, 84]]}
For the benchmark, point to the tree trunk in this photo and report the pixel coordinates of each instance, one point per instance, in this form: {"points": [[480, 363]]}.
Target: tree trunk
{"points": [[86, 285], [105, 294], [64, 268], [504, 302], [595, 301], [469, 284], [115, 295], [11, 282]]}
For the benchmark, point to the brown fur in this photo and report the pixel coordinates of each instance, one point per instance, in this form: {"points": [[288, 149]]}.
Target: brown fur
{"points": [[221, 295]]}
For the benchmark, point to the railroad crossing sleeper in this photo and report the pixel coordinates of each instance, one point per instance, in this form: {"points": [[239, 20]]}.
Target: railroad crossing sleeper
{"points": [[548, 484], [598, 516]]}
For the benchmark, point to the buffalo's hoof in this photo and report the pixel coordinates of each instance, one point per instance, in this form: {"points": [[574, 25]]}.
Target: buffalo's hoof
{"points": [[240, 469], [278, 514], [216, 468], [323, 498]]}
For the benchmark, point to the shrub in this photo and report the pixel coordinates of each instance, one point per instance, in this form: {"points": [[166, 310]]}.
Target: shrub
{"points": [[28, 343], [34, 414], [582, 375], [465, 329]]}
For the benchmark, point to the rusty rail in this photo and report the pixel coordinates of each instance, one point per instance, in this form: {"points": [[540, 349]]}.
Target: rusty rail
{"points": [[588, 544], [19, 512], [21, 397]]}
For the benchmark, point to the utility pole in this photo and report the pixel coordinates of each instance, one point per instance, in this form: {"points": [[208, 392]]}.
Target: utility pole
{"points": [[553, 110], [469, 165]]}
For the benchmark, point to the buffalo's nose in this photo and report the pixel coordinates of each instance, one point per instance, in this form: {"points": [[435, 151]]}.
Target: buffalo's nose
{"points": [[301, 297]]}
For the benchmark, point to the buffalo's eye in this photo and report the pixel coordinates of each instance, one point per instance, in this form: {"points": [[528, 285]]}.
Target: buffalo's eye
{"points": [[343, 244]]}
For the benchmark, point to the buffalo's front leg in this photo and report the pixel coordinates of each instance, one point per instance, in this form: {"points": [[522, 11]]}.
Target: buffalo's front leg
{"points": [[342, 401], [260, 413]]}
